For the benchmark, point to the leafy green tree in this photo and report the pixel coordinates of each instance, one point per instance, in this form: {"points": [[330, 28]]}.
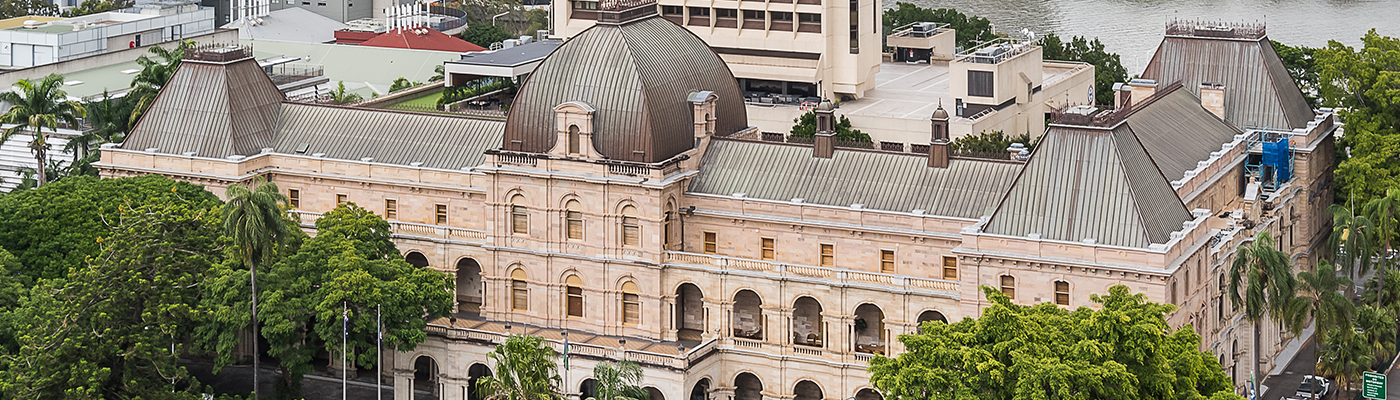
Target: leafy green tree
{"points": [[1384, 212], [525, 370], [109, 117], [115, 328], [146, 85], [13, 288], [21, 8], [255, 224], [1122, 350], [1345, 356], [538, 20], [484, 34], [806, 126], [1267, 278], [54, 229], [97, 6], [403, 83], [1362, 85], [1322, 300], [988, 143], [619, 381], [969, 29], [1108, 68], [1301, 63], [1377, 325], [34, 108], [1351, 241], [340, 96]]}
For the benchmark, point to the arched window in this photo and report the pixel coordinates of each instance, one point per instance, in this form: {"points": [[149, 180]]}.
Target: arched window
{"points": [[573, 296], [519, 216], [631, 229], [573, 139], [666, 225], [1008, 286], [519, 291], [631, 304], [1062, 293], [573, 220]]}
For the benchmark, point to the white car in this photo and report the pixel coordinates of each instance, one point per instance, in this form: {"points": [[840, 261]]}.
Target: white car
{"points": [[1313, 387]]}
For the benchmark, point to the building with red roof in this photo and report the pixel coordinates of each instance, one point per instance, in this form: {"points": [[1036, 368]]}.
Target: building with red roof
{"points": [[420, 38]]}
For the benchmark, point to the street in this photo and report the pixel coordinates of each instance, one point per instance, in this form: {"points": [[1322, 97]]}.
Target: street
{"points": [[1284, 385]]}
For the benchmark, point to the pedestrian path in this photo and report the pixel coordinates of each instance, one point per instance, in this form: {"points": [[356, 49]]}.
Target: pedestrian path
{"points": [[1285, 357]]}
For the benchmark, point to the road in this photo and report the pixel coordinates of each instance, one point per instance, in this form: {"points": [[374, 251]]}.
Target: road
{"points": [[1283, 385]]}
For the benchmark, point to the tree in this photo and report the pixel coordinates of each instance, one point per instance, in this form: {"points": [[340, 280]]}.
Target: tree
{"points": [[1268, 282], [525, 370], [1351, 241], [1108, 69], [255, 224], [1122, 350], [1301, 64], [1384, 212], [401, 84], [1377, 326], [806, 126], [97, 6], [619, 381], [1361, 84], [1322, 300], [340, 96], [146, 85], [34, 108], [115, 328], [990, 143], [484, 34], [1345, 356], [54, 229], [13, 288], [22, 8], [969, 30], [352, 263], [108, 117], [538, 20]]}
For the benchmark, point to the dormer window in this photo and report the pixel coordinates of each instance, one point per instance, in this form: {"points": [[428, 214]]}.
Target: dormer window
{"points": [[573, 139]]}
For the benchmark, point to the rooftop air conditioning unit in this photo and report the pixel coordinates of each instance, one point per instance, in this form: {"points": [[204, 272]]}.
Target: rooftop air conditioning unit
{"points": [[526, 39]]}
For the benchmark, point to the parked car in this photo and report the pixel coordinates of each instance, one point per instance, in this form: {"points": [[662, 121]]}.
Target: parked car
{"points": [[1313, 387]]}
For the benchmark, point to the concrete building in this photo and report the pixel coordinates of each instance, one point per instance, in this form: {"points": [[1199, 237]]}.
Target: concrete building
{"points": [[628, 205], [46, 42]]}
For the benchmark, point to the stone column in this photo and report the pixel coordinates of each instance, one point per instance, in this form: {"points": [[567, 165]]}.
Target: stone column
{"points": [[668, 318], [403, 384]]}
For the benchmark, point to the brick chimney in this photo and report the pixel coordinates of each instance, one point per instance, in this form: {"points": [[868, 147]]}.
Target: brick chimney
{"points": [[1213, 98], [938, 148], [823, 143], [1141, 89]]}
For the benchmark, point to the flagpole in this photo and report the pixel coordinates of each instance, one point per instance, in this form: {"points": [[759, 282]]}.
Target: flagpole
{"points": [[344, 348], [378, 352]]}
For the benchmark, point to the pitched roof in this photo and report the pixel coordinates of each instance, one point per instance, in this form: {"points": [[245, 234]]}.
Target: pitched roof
{"points": [[213, 109], [1258, 90], [1091, 182], [293, 24], [1177, 131], [877, 180], [421, 39], [637, 75], [393, 137]]}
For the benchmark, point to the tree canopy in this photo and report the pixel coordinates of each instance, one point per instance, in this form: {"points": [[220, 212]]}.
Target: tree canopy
{"points": [[806, 126], [988, 143], [484, 34], [1124, 350], [1361, 83], [1301, 63], [969, 30], [1108, 69]]}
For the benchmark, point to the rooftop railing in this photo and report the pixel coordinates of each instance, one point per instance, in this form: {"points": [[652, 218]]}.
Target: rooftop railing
{"points": [[995, 51], [1215, 29]]}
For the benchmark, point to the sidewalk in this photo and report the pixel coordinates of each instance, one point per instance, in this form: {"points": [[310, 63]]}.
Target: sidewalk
{"points": [[1284, 380], [235, 379]]}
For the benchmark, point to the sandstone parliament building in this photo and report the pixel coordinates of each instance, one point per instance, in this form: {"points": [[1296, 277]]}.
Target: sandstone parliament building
{"points": [[627, 204]]}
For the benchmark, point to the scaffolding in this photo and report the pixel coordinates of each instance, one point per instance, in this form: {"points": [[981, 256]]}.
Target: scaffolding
{"points": [[1270, 160]]}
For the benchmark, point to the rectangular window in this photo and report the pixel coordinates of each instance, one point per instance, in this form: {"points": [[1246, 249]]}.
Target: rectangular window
{"points": [[631, 232], [441, 214], [726, 13], [575, 224], [699, 12], [1062, 293], [519, 220], [855, 26], [699, 16], [520, 296], [585, 5], [726, 18], [341, 199], [294, 198], [1172, 295], [672, 10], [711, 243], [780, 21], [768, 252], [631, 309], [666, 232], [391, 209], [980, 83], [1008, 286], [810, 23], [950, 268], [754, 19], [575, 301], [887, 261], [828, 255]]}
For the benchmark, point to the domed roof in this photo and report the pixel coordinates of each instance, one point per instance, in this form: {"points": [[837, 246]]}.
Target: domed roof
{"points": [[939, 113], [637, 75]]}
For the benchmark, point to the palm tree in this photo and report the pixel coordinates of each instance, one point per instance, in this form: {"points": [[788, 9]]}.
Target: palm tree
{"points": [[1383, 212], [1350, 241], [146, 85], [108, 117], [1323, 300], [340, 96], [525, 370], [34, 108], [254, 220], [1377, 325], [619, 381], [1346, 356], [1268, 282]]}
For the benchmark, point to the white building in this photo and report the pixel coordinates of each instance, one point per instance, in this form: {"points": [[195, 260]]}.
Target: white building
{"points": [[46, 42]]}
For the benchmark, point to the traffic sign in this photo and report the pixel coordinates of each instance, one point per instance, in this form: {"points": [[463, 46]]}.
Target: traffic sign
{"points": [[1373, 385]]}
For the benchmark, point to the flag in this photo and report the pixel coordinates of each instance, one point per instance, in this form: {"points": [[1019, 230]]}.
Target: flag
{"points": [[566, 352]]}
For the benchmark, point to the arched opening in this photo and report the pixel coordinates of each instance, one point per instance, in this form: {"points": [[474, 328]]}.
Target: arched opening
{"points": [[690, 312], [666, 225], [519, 291], [573, 220], [416, 259], [931, 315], [474, 373], [869, 394], [631, 304], [470, 289], [425, 375], [748, 315], [573, 139], [807, 390], [654, 394], [573, 296], [588, 389], [701, 391], [631, 228], [748, 387], [870, 329], [519, 216], [807, 328]]}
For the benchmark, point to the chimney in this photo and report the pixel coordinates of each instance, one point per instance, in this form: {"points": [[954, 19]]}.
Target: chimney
{"points": [[938, 148], [823, 144], [1142, 89], [1213, 98], [1122, 95]]}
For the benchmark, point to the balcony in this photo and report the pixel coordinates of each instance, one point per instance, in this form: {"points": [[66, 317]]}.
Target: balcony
{"points": [[833, 276]]}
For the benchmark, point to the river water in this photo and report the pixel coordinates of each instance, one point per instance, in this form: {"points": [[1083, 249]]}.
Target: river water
{"points": [[1134, 28]]}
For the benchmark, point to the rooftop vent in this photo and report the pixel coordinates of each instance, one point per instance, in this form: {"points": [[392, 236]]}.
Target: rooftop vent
{"points": [[32, 24]]}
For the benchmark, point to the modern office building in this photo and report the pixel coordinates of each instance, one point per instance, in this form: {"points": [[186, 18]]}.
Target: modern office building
{"points": [[627, 206], [36, 42]]}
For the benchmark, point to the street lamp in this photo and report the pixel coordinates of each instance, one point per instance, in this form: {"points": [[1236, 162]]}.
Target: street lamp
{"points": [[493, 18]]}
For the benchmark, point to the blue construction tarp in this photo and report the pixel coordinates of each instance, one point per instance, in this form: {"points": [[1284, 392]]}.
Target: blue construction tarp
{"points": [[1278, 155]]}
